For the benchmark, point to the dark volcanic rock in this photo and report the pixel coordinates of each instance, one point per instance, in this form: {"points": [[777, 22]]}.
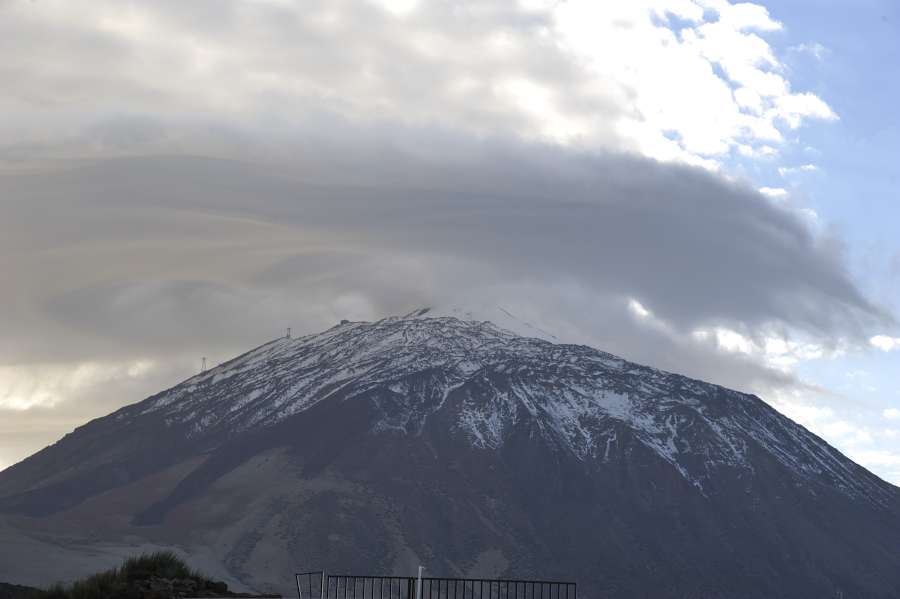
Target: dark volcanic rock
{"points": [[376, 446]]}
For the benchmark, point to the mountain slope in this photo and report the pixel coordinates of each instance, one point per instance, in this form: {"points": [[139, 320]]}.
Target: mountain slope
{"points": [[376, 446]]}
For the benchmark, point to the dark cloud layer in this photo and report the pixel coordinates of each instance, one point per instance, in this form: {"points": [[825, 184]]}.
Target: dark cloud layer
{"points": [[156, 251]]}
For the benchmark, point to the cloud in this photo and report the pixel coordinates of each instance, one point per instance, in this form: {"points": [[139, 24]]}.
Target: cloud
{"points": [[885, 343], [814, 49], [787, 171], [141, 241], [774, 192], [891, 413], [22, 388], [675, 80]]}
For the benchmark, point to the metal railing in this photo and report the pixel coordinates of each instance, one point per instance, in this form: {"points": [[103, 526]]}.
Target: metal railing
{"points": [[316, 585]]}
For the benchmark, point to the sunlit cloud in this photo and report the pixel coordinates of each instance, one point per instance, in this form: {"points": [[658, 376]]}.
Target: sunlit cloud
{"points": [[885, 343], [891, 413], [26, 387]]}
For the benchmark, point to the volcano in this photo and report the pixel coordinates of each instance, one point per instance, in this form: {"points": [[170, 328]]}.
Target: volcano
{"points": [[374, 447]]}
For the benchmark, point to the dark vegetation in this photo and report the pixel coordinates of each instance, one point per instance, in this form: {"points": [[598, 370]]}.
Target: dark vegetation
{"points": [[14, 591], [160, 575]]}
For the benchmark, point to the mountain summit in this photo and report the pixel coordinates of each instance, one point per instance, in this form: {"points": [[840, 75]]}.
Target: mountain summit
{"points": [[475, 451]]}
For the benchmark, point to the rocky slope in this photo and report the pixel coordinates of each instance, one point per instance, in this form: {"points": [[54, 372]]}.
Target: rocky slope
{"points": [[475, 451]]}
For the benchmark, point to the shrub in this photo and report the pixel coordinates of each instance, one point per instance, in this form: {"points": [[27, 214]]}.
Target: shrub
{"points": [[124, 582]]}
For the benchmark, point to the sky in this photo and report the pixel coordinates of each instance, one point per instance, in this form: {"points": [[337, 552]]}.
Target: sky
{"points": [[702, 186]]}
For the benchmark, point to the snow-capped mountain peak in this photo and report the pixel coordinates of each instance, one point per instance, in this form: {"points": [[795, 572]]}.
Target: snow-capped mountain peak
{"points": [[447, 440], [493, 382]]}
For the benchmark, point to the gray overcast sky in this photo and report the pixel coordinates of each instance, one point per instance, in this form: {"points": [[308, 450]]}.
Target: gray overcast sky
{"points": [[179, 180]]}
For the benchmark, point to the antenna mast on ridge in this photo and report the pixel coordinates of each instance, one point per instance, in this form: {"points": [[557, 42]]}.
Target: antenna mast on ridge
{"points": [[288, 336], [203, 365]]}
